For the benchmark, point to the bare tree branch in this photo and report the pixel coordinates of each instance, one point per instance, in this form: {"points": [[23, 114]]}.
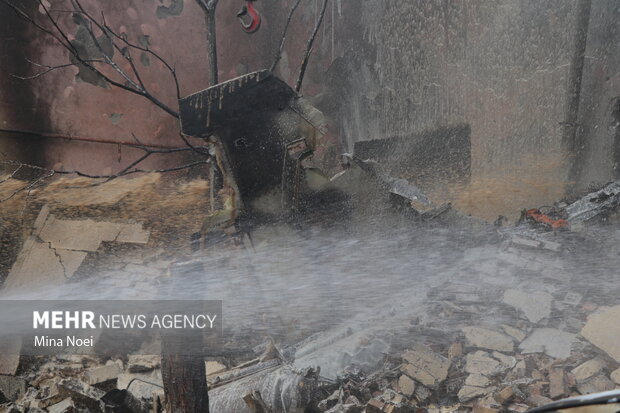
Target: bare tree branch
{"points": [[304, 63], [48, 173], [288, 22], [28, 186], [61, 37], [123, 39], [46, 71]]}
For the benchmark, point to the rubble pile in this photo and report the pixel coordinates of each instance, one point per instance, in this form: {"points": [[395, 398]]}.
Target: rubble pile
{"points": [[507, 369], [510, 325]]}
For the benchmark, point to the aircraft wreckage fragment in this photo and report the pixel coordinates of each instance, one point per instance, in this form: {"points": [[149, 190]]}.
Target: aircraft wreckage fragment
{"points": [[264, 134]]}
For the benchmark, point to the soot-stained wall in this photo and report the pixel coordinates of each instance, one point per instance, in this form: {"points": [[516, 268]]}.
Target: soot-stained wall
{"points": [[380, 68]]}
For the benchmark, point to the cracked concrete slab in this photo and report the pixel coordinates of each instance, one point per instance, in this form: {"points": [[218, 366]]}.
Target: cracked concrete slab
{"points": [[555, 343], [57, 248], [38, 263], [87, 235], [534, 305]]}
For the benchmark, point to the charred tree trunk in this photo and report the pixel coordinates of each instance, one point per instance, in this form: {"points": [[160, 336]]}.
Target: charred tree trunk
{"points": [[572, 141], [212, 47], [184, 377]]}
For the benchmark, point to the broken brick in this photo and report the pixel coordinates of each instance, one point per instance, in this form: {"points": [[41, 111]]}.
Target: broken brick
{"points": [[557, 383]]}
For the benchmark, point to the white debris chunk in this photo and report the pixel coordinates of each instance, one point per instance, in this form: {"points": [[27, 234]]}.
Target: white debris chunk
{"points": [[603, 330], [555, 343], [488, 339], [535, 306]]}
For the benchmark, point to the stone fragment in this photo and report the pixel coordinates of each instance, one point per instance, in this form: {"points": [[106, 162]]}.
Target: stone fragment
{"points": [[9, 408], [12, 387], [488, 339], [551, 245], [555, 343], [406, 385], [538, 400], [139, 363], [507, 361], [82, 393], [102, 374], [615, 376], [215, 367], [485, 408], [468, 393], [422, 393], [603, 329], [517, 408], [588, 369], [455, 351], [535, 306], [525, 242], [513, 332], [374, 406], [504, 395], [480, 363], [142, 392], [557, 384], [596, 384], [65, 406], [426, 366], [477, 380]]}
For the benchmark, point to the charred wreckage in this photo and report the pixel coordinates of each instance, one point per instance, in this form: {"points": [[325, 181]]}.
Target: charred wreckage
{"points": [[263, 136]]}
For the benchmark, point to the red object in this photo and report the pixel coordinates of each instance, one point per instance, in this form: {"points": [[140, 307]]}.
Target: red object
{"points": [[537, 216], [249, 10]]}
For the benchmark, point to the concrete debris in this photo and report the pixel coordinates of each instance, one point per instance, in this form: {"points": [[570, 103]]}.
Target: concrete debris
{"points": [[602, 329], [455, 351], [65, 406], [487, 339], [468, 393], [406, 385], [615, 376], [535, 306], [588, 369], [481, 363], [504, 395], [139, 363], [82, 393], [477, 380], [98, 375], [553, 342], [57, 247], [12, 388], [141, 386], [214, 367], [425, 366], [596, 384], [513, 332], [557, 384]]}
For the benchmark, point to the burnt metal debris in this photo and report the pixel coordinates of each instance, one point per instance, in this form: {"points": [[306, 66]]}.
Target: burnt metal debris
{"points": [[265, 129]]}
